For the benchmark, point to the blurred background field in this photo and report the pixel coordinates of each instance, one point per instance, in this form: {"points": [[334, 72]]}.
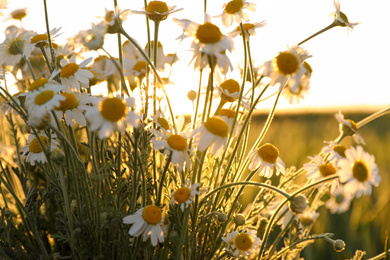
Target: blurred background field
{"points": [[300, 135]]}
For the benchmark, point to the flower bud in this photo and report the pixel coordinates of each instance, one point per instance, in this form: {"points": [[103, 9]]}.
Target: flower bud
{"points": [[222, 217], [239, 220], [57, 155], [298, 204], [339, 245], [191, 95]]}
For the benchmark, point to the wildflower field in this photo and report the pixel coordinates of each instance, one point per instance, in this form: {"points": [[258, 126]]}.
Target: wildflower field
{"points": [[97, 161]]}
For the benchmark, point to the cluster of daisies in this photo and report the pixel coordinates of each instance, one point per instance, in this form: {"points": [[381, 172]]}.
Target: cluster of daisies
{"points": [[60, 94]]}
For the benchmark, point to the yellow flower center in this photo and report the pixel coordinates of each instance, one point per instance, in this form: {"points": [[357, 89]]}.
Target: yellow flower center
{"points": [[163, 123], [230, 113], [208, 33], [35, 147], [243, 242], [268, 153], [307, 67], [19, 14], [113, 109], [140, 66], [37, 84], [44, 97], [217, 126], [287, 63], [344, 17], [182, 194], [39, 38], [69, 70], [360, 171], [152, 215], [327, 170], [157, 6], [306, 221], [177, 142], [353, 125], [234, 6], [247, 27], [69, 103], [159, 45], [109, 15], [231, 86], [16, 46], [340, 149]]}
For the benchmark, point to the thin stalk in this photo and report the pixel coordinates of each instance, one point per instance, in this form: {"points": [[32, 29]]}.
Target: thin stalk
{"points": [[159, 194], [53, 56], [334, 24], [29, 66], [372, 117]]}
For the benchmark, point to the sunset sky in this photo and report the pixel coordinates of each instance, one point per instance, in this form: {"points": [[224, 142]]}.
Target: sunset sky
{"points": [[349, 68]]}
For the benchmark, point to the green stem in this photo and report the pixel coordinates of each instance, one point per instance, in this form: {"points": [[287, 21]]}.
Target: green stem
{"points": [[159, 195], [52, 53], [334, 24], [372, 117]]}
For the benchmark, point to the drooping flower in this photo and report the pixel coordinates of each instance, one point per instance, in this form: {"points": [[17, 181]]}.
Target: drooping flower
{"points": [[234, 10], [242, 244], [158, 10], [146, 221], [341, 18], [249, 29], [358, 172], [112, 113], [213, 133], [34, 151], [14, 47], [339, 201], [72, 74], [349, 128], [265, 159], [184, 195]]}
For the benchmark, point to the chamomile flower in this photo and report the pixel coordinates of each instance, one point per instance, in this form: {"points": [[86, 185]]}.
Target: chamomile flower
{"points": [[349, 128], [114, 19], [233, 10], [44, 99], [340, 18], [72, 74], [265, 159], [135, 71], [41, 40], [249, 29], [242, 244], [333, 151], [358, 172], [229, 90], [207, 40], [184, 195], [158, 10], [34, 151], [17, 14], [14, 47], [177, 145], [73, 107], [294, 93], [93, 39], [318, 168], [213, 133], [146, 221], [339, 201], [228, 116], [111, 113], [286, 67]]}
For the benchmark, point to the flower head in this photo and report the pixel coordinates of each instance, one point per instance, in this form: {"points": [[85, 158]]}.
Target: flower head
{"points": [[184, 195], [43, 100], [14, 47], [242, 244], [358, 172], [146, 221], [264, 159], [158, 11], [249, 29], [213, 133], [340, 18], [334, 152], [339, 201], [319, 168], [349, 128], [72, 74], [34, 150], [112, 113], [233, 10]]}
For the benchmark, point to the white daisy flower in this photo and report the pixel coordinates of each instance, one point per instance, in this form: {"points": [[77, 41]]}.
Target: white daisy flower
{"points": [[72, 74], [242, 244], [93, 38], [358, 172], [111, 113], [286, 67], [341, 18], [249, 29], [162, 59], [41, 40], [228, 115], [349, 128], [333, 152], [339, 201], [265, 159], [17, 14], [158, 10], [318, 168], [233, 10], [73, 107], [146, 221], [177, 145], [14, 47], [33, 149], [207, 39], [43, 82], [213, 133], [43, 100], [184, 195], [229, 90], [295, 96]]}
